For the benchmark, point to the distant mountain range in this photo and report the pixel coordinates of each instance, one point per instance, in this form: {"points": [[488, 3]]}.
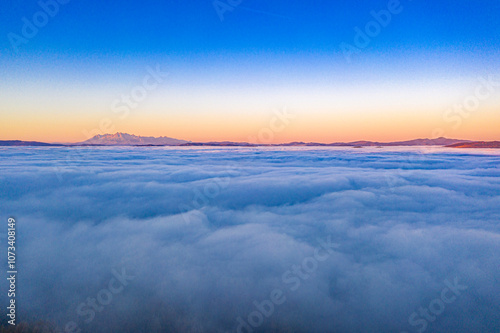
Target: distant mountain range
{"points": [[417, 142], [123, 139], [478, 144], [26, 143]]}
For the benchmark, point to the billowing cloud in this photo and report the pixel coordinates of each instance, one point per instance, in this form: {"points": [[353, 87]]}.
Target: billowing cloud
{"points": [[221, 240]]}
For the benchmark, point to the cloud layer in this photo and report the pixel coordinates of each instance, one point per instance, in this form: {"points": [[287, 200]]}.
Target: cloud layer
{"points": [[209, 234]]}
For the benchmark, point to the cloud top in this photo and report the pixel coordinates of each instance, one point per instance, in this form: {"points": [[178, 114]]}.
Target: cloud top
{"points": [[210, 234]]}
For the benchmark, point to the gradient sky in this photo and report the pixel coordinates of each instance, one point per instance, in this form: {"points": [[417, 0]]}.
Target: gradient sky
{"points": [[226, 78]]}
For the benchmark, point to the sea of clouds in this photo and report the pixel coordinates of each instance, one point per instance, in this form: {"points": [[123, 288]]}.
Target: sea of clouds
{"points": [[254, 240]]}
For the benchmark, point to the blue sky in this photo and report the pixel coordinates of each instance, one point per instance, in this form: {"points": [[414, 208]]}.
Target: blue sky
{"points": [[131, 28], [90, 51]]}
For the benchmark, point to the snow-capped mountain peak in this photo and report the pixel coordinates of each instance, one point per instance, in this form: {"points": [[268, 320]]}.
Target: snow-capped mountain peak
{"points": [[124, 139]]}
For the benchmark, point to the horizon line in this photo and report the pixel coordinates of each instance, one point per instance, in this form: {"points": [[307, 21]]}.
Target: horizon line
{"points": [[206, 142]]}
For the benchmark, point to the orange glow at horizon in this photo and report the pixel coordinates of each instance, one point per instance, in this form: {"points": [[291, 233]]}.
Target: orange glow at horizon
{"points": [[385, 112], [226, 99], [260, 128]]}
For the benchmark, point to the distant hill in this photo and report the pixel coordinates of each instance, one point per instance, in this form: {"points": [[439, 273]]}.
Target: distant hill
{"points": [[476, 144], [425, 142], [15, 143], [222, 144], [123, 139], [417, 142]]}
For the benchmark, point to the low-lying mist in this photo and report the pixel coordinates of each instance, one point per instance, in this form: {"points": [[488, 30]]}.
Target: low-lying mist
{"points": [[254, 240]]}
